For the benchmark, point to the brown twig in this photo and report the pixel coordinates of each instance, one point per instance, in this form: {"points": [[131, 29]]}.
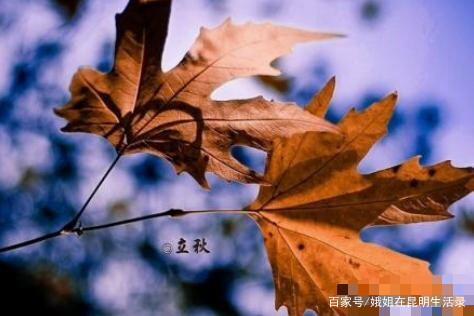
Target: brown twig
{"points": [[79, 229]]}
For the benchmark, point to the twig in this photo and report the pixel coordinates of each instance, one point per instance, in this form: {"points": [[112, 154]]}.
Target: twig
{"points": [[31, 241], [73, 222], [170, 212], [79, 230]]}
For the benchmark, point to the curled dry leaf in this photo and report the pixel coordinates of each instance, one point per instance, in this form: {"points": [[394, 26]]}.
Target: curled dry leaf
{"points": [[318, 203], [140, 108]]}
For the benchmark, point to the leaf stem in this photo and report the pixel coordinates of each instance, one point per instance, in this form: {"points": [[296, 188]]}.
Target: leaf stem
{"points": [[79, 230]]}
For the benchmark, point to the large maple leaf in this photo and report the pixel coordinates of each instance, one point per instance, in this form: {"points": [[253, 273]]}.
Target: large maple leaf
{"points": [[318, 203], [140, 108]]}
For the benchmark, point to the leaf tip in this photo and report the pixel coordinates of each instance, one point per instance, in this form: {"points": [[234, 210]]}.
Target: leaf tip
{"points": [[57, 111], [393, 96], [66, 129], [339, 35], [415, 160], [203, 183]]}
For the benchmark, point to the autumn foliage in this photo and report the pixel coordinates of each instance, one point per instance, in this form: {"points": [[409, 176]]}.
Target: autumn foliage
{"points": [[313, 202]]}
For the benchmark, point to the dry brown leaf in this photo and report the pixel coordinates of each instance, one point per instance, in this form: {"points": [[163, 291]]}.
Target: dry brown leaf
{"points": [[319, 105], [140, 108], [318, 203]]}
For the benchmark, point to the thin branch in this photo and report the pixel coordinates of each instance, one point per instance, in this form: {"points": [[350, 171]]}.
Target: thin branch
{"points": [[73, 222], [31, 241], [171, 213], [79, 230]]}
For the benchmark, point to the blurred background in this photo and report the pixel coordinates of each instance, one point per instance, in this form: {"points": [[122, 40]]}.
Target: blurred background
{"points": [[422, 49]]}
